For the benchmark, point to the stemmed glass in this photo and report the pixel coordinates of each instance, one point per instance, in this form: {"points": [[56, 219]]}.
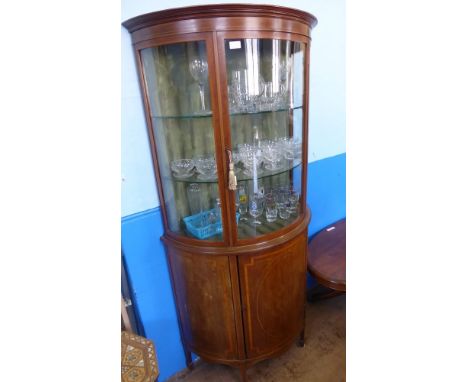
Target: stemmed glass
{"points": [[199, 71], [256, 203]]}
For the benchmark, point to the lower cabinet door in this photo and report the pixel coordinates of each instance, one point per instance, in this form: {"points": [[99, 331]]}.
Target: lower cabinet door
{"points": [[202, 285], [273, 297]]}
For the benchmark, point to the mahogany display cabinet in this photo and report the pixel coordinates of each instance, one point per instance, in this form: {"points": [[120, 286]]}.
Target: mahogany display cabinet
{"points": [[225, 91]]}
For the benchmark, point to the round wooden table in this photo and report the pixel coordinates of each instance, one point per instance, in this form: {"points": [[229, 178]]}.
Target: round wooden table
{"points": [[326, 256]]}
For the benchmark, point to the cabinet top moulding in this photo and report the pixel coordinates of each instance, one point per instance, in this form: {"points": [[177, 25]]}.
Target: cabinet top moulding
{"points": [[234, 12]]}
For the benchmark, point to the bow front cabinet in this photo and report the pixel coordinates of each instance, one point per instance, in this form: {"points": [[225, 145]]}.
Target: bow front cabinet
{"points": [[225, 92]]}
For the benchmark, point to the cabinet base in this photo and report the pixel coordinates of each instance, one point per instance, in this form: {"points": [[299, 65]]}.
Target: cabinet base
{"points": [[244, 365]]}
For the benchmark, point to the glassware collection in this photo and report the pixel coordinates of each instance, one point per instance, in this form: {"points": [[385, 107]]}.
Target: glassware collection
{"points": [[203, 223], [250, 159], [249, 93], [282, 201]]}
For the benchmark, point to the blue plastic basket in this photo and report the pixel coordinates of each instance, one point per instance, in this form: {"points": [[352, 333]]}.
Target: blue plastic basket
{"points": [[193, 224]]}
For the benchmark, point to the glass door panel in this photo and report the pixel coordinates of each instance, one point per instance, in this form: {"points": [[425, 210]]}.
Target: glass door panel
{"points": [[177, 83], [265, 91]]}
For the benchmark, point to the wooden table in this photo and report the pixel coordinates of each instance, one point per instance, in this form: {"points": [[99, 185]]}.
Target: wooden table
{"points": [[326, 257]]}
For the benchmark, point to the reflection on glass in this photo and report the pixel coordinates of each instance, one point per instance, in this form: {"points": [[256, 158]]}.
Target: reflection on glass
{"points": [[176, 78], [265, 90]]}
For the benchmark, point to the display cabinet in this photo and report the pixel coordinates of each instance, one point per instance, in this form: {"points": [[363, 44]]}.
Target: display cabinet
{"points": [[225, 90]]}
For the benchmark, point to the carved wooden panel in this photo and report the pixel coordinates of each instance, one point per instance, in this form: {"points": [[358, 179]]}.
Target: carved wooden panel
{"points": [[204, 298], [273, 296]]}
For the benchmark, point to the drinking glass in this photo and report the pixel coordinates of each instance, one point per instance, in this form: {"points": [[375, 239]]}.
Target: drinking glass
{"points": [[199, 71], [273, 157], [293, 200], [249, 87], [243, 202], [283, 211], [256, 205], [283, 203], [252, 159], [271, 207], [194, 200]]}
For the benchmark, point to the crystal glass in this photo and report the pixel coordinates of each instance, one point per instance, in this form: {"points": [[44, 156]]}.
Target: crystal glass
{"points": [[182, 168], [272, 98], [247, 87], [283, 211], [293, 201], [194, 200], [234, 99], [206, 167], [292, 148], [273, 156], [236, 158], [252, 160], [256, 205], [271, 209], [199, 70], [283, 203]]}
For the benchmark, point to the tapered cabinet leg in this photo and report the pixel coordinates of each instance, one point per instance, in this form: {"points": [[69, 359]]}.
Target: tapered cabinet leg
{"points": [[188, 359], [243, 373], [300, 342]]}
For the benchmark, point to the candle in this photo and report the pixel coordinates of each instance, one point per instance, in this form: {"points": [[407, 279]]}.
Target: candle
{"points": [[255, 181]]}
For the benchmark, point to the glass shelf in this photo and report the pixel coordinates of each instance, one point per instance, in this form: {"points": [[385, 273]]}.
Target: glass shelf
{"points": [[240, 175], [245, 229], [210, 114], [266, 111], [184, 116]]}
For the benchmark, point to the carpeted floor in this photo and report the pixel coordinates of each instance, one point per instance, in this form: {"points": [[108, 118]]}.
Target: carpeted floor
{"points": [[322, 359]]}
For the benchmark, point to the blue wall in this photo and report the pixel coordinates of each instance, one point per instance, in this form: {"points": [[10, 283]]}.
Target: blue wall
{"points": [[148, 273], [148, 269]]}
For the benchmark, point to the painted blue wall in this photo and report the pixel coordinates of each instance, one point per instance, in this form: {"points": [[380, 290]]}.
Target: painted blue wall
{"points": [[148, 273], [148, 269]]}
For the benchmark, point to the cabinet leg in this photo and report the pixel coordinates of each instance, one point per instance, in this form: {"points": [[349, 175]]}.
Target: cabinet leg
{"points": [[243, 373], [188, 359], [300, 342]]}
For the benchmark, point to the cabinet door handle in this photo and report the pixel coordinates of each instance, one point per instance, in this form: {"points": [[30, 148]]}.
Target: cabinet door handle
{"points": [[232, 180]]}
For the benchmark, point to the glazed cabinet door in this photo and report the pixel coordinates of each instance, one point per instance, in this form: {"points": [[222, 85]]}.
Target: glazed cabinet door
{"points": [[265, 86], [202, 288], [273, 297], [179, 85]]}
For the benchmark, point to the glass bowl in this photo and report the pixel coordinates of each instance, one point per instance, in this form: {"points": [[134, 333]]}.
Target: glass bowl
{"points": [[273, 157], [206, 168], [249, 158], [182, 168]]}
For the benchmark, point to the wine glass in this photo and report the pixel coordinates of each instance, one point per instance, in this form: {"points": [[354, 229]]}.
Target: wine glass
{"points": [[199, 71], [256, 203]]}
